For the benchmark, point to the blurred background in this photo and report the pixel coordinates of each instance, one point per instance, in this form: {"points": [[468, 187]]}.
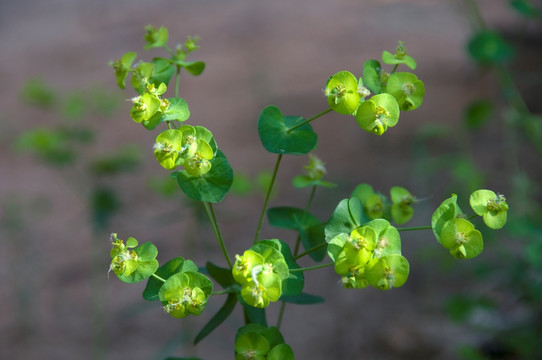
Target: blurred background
{"points": [[74, 168]]}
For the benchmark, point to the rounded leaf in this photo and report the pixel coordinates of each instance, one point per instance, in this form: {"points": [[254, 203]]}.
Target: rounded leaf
{"points": [[275, 137], [211, 186]]}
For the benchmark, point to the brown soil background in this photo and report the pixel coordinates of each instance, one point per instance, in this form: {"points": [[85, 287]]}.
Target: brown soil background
{"points": [[257, 53]]}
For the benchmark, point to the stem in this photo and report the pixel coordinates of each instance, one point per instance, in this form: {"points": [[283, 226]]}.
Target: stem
{"points": [[267, 196], [309, 120], [177, 78], [214, 224], [395, 68], [281, 314], [297, 243], [225, 291], [159, 278], [312, 267], [415, 228], [310, 250], [309, 202]]}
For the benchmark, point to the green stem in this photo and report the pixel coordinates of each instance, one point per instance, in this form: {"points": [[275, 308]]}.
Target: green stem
{"points": [[225, 291], [319, 246], [309, 202], [214, 224], [395, 68], [267, 196], [297, 244], [415, 228], [281, 314], [309, 120], [177, 80], [159, 278], [312, 267]]}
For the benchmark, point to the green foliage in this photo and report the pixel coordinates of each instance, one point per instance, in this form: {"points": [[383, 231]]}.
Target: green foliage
{"points": [[364, 247], [276, 134], [489, 47]]}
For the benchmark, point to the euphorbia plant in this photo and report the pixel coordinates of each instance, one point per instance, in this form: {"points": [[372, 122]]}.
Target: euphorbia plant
{"points": [[363, 244]]}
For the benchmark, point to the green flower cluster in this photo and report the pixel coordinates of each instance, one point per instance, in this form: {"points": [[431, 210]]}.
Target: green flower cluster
{"points": [[458, 234], [257, 342], [130, 262], [392, 93], [191, 150], [178, 284], [185, 293], [369, 255], [378, 206], [188, 146], [260, 271]]}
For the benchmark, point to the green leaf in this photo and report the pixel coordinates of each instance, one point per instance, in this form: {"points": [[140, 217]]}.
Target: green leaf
{"points": [[312, 237], [177, 110], [303, 181], [447, 210], [218, 318], [172, 267], [489, 47], [478, 113], [273, 130], [371, 76], [162, 72], [292, 218], [303, 299], [347, 216], [222, 275], [526, 8], [390, 59], [194, 67], [211, 186]]}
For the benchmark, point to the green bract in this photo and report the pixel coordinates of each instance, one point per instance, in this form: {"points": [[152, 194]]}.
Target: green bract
{"points": [[406, 89], [447, 210], [378, 113], [255, 341], [122, 67], [401, 208], [144, 107], [400, 57], [261, 272], [314, 172], [140, 76], [358, 252], [388, 272], [167, 147], [185, 293], [132, 263], [492, 207], [461, 238], [342, 92], [155, 37]]}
